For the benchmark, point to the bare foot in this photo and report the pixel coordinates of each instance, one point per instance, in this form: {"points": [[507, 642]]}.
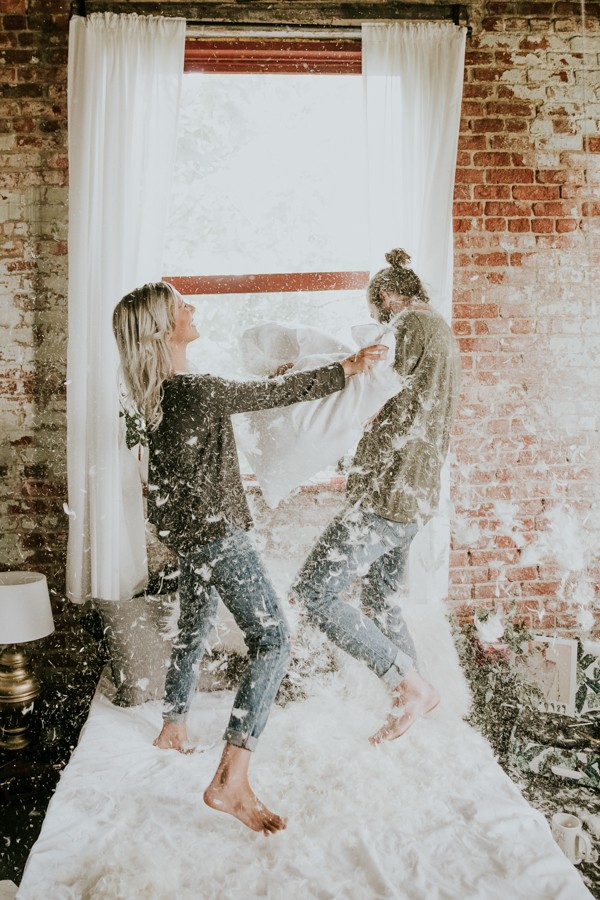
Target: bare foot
{"points": [[173, 736], [242, 803], [414, 698], [230, 792]]}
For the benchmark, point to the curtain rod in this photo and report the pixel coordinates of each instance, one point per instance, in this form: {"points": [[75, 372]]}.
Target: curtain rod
{"points": [[263, 15]]}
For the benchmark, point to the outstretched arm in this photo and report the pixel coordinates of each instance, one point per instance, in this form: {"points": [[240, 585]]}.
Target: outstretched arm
{"points": [[247, 396]]}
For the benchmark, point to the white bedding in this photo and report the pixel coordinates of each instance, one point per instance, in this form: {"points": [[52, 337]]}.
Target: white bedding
{"points": [[430, 816]]}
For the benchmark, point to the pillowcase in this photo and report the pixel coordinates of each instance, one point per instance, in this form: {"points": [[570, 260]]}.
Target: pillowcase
{"points": [[286, 446]]}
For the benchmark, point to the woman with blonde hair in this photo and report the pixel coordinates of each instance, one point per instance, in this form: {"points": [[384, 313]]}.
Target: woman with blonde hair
{"points": [[197, 502]]}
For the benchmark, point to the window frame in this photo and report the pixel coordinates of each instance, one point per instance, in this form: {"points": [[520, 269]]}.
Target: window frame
{"points": [[265, 56]]}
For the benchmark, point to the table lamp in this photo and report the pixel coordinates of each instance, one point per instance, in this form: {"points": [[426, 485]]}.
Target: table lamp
{"points": [[25, 615]]}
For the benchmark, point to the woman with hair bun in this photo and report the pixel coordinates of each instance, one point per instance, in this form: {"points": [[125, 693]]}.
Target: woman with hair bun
{"points": [[197, 502], [393, 488]]}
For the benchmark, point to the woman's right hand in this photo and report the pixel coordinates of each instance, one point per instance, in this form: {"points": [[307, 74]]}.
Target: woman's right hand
{"points": [[364, 360]]}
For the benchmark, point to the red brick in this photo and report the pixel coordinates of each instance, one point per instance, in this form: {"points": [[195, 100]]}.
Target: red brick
{"points": [[519, 225], [491, 23], [514, 142], [478, 57], [13, 6], [469, 141], [489, 73], [486, 126], [470, 176], [14, 23], [593, 144], [468, 209], [509, 176], [536, 43], [462, 328], [514, 126], [542, 226], [536, 192], [472, 109], [499, 208], [492, 192], [552, 208], [491, 557], [510, 108], [565, 225], [592, 209], [478, 345], [488, 159], [462, 225], [497, 224], [475, 310], [462, 192]]}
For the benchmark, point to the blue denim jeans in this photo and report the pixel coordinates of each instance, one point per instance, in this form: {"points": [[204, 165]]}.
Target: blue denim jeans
{"points": [[231, 569], [359, 543]]}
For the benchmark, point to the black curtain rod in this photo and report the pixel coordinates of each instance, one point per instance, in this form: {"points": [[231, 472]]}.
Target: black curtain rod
{"points": [[345, 14]]}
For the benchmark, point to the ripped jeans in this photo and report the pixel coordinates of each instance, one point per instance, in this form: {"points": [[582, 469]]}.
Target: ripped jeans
{"points": [[231, 569], [360, 543]]}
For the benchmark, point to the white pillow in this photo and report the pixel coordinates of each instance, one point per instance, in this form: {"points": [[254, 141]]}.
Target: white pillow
{"points": [[288, 445], [270, 345]]}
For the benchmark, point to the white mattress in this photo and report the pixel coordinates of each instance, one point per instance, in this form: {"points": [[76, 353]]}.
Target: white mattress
{"points": [[431, 815]]}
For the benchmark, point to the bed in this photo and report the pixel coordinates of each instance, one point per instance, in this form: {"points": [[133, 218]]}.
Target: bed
{"points": [[431, 816]]}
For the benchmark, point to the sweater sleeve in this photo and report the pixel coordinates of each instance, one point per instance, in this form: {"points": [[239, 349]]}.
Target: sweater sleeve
{"points": [[248, 396]]}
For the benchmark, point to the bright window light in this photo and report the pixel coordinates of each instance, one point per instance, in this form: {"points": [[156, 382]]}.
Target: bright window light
{"points": [[270, 176]]}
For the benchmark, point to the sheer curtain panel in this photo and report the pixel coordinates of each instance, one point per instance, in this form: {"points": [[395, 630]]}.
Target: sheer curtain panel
{"points": [[412, 78], [124, 82]]}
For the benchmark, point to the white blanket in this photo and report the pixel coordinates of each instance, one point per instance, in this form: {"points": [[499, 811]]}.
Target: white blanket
{"points": [[287, 446], [430, 816]]}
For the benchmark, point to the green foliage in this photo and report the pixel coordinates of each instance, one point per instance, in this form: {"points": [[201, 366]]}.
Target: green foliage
{"points": [[588, 679], [135, 429], [499, 692]]}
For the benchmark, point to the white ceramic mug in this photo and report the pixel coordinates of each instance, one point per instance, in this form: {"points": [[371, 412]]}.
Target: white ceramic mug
{"points": [[568, 833]]}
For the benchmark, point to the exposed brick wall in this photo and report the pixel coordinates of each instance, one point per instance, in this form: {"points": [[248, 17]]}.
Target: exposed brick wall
{"points": [[33, 326], [526, 477], [526, 471]]}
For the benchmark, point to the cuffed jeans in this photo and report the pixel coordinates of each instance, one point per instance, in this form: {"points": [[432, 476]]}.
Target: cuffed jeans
{"points": [[229, 568], [359, 543]]}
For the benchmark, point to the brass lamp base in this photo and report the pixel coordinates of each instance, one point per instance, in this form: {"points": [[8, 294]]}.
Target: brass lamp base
{"points": [[19, 688]]}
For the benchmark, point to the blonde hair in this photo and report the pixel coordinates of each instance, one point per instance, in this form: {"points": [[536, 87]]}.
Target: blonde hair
{"points": [[398, 279], [141, 323]]}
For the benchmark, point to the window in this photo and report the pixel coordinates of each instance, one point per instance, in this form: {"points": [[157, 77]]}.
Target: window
{"points": [[268, 216]]}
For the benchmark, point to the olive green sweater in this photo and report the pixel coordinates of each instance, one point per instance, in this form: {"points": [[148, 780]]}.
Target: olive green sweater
{"points": [[397, 466], [194, 483]]}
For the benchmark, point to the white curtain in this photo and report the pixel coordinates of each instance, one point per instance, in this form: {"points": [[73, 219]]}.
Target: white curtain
{"points": [[124, 82], [412, 77]]}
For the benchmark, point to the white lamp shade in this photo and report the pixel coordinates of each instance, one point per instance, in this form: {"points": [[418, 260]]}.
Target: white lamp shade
{"points": [[25, 611]]}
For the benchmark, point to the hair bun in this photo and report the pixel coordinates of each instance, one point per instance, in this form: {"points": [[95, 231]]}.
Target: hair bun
{"points": [[397, 258]]}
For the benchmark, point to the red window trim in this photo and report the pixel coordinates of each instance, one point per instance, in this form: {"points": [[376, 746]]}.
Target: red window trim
{"points": [[268, 284], [268, 56]]}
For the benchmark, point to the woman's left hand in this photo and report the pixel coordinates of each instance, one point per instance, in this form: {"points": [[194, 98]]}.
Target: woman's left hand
{"points": [[364, 360]]}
